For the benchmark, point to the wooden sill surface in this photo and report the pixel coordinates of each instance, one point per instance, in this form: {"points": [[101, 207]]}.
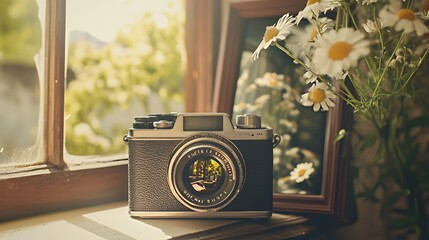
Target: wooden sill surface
{"points": [[111, 221], [107, 221], [39, 191]]}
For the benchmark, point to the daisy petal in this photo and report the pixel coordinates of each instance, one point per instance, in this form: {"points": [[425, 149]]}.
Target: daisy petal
{"points": [[316, 107]]}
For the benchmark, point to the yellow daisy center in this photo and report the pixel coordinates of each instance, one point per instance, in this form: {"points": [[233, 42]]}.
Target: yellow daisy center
{"points": [[309, 2], [301, 172], [339, 50], [242, 105], [273, 82], [270, 33], [406, 14], [312, 35], [317, 95]]}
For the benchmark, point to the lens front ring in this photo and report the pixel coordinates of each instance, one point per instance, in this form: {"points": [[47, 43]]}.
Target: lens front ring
{"points": [[196, 191]]}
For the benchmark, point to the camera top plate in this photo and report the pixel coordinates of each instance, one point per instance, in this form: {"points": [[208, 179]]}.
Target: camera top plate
{"points": [[182, 125]]}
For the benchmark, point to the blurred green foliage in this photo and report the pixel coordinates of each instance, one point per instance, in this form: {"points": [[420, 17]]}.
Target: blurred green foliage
{"points": [[20, 31], [144, 60]]}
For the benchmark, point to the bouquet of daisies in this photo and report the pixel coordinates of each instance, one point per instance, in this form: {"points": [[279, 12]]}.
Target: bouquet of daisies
{"points": [[369, 42]]}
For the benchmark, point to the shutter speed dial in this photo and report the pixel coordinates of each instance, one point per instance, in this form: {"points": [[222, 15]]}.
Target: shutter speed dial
{"points": [[248, 121]]}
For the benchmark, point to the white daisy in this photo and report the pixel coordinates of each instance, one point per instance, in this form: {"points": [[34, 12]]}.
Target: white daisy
{"points": [[285, 140], [371, 26], [292, 126], [252, 87], [302, 40], [402, 19], [260, 102], [271, 80], [277, 152], [310, 77], [318, 96], [278, 31], [302, 172], [367, 2], [338, 51], [315, 7], [241, 107], [293, 152]]}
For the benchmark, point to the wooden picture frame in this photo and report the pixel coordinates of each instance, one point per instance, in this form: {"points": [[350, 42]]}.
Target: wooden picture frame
{"points": [[334, 195]]}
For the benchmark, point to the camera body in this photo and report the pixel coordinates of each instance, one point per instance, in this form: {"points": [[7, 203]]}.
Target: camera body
{"points": [[198, 165]]}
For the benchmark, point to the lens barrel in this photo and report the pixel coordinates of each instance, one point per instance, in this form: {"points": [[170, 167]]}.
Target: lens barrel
{"points": [[206, 172]]}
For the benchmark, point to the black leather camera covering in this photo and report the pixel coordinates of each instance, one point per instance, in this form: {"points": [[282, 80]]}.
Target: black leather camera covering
{"points": [[148, 185]]}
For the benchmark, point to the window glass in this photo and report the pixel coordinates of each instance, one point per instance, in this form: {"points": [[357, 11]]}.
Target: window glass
{"points": [[124, 58], [21, 85]]}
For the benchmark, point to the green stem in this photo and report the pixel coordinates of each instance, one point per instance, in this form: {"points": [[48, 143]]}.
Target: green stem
{"points": [[380, 78], [406, 176], [379, 33], [295, 59], [349, 14], [417, 67], [298, 61]]}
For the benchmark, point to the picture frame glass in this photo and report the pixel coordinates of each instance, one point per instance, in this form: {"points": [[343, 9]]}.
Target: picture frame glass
{"points": [[271, 86]]}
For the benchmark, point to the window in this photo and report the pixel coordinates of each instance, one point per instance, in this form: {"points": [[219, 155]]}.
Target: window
{"points": [[21, 82], [55, 62], [122, 62]]}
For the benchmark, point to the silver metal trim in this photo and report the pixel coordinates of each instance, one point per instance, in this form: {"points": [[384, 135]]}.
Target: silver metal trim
{"points": [[223, 214], [163, 124], [248, 121], [228, 132]]}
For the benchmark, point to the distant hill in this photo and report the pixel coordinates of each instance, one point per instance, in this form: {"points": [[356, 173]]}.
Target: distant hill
{"points": [[78, 36]]}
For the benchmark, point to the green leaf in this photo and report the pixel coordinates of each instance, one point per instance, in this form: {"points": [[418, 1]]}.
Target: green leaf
{"points": [[385, 132], [354, 172], [413, 155], [421, 121], [341, 134], [379, 154], [361, 195], [382, 212], [394, 197], [424, 185], [401, 211], [402, 222], [401, 237], [368, 142], [391, 200], [367, 194]]}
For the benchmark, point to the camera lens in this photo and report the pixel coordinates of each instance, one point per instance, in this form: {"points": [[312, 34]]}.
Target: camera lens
{"points": [[204, 176], [206, 172]]}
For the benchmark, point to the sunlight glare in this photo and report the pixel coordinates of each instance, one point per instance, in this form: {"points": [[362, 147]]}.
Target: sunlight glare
{"points": [[104, 19]]}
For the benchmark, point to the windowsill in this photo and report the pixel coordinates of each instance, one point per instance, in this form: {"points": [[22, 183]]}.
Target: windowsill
{"points": [[102, 221], [39, 200], [111, 221], [41, 169], [37, 191]]}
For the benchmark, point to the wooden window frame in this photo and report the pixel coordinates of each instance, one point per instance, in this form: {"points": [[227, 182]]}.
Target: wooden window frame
{"points": [[202, 41], [55, 185]]}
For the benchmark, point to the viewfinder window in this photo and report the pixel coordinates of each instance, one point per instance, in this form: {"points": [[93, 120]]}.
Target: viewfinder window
{"points": [[203, 123]]}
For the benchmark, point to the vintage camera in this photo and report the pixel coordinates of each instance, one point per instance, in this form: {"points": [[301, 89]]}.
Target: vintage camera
{"points": [[190, 165]]}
